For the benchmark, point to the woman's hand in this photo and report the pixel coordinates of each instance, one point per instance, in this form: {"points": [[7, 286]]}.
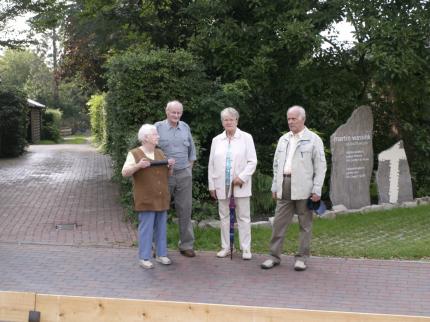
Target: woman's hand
{"points": [[213, 194], [238, 182], [143, 163]]}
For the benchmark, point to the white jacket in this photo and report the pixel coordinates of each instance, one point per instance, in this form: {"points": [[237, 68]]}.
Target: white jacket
{"points": [[308, 166], [244, 162]]}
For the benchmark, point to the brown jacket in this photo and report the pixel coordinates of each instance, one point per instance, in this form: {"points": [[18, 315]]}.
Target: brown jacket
{"points": [[150, 185]]}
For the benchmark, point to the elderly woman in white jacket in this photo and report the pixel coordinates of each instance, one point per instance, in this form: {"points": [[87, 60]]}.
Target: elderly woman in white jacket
{"points": [[232, 162]]}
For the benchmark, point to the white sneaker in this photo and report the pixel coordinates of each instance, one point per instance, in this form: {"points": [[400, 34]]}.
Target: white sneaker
{"points": [[146, 264], [223, 253], [269, 263], [246, 254], [299, 265], [163, 260]]}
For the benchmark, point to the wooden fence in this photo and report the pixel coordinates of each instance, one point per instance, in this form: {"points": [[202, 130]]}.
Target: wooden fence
{"points": [[16, 306]]}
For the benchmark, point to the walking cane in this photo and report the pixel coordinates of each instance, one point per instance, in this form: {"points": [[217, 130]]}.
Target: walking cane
{"points": [[232, 207]]}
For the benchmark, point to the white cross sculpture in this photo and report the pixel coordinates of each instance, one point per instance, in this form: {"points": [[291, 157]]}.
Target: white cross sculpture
{"points": [[393, 155]]}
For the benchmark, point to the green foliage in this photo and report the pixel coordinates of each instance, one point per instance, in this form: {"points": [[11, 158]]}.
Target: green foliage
{"points": [[39, 84], [23, 69], [140, 85], [260, 57], [393, 56], [262, 203], [28, 72], [97, 111], [51, 121], [9, 10], [73, 97], [13, 122]]}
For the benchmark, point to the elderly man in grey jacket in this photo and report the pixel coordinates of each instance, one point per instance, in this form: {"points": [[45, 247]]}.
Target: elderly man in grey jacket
{"points": [[299, 168]]}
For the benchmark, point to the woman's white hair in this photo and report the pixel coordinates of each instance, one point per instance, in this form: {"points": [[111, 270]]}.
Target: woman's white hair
{"points": [[299, 109], [231, 112], [144, 131]]}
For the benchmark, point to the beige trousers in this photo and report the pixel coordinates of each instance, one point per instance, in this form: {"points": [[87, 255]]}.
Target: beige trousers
{"points": [[285, 210], [243, 217]]}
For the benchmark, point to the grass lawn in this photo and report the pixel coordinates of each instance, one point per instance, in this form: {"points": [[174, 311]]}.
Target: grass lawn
{"points": [[73, 139], [402, 233]]}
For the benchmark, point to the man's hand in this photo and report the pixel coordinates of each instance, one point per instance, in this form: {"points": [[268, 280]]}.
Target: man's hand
{"points": [[315, 197], [171, 163]]}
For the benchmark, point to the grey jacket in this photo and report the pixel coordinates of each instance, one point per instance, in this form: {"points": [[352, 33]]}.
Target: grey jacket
{"points": [[308, 166]]}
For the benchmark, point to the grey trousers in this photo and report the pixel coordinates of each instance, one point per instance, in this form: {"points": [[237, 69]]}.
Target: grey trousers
{"points": [[285, 210], [181, 191]]}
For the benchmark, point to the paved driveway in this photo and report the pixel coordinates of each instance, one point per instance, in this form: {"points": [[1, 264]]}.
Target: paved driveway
{"points": [[66, 185], [70, 184]]}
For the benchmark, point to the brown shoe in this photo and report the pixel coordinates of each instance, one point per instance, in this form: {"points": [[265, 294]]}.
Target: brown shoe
{"points": [[188, 253]]}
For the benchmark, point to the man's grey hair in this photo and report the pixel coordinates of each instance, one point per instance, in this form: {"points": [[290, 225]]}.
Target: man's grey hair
{"points": [[144, 131], [299, 109], [174, 103], [231, 112]]}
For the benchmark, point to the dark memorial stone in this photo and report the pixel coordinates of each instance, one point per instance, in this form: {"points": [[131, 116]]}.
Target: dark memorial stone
{"points": [[393, 177], [352, 160]]}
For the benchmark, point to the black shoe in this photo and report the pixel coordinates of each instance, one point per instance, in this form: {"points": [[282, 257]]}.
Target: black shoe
{"points": [[188, 253]]}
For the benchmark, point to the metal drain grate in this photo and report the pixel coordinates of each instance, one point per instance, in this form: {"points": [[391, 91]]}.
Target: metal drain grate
{"points": [[65, 226]]}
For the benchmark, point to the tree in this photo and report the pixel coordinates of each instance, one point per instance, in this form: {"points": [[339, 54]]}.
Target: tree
{"points": [[72, 102], [26, 71], [393, 52], [10, 9], [95, 30], [262, 45], [13, 121]]}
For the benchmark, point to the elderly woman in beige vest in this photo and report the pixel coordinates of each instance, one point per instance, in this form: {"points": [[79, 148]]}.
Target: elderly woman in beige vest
{"points": [[148, 167]]}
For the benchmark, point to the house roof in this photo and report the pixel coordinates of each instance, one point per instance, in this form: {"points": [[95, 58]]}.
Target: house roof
{"points": [[34, 103]]}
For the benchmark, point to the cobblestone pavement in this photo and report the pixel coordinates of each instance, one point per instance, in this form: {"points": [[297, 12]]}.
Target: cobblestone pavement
{"points": [[373, 286], [61, 184], [70, 184]]}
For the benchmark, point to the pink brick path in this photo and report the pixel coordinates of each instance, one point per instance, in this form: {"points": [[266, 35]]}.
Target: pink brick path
{"points": [[70, 184], [61, 184]]}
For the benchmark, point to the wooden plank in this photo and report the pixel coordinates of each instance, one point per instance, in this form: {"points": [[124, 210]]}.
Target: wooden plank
{"points": [[73, 308], [15, 306]]}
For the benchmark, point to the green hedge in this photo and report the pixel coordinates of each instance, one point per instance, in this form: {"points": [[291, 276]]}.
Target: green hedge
{"points": [[51, 121], [13, 122], [140, 84], [97, 110]]}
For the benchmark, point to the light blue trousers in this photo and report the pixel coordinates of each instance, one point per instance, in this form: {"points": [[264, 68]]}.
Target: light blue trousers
{"points": [[152, 226]]}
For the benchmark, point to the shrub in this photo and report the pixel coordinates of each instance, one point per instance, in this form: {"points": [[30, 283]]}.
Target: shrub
{"points": [[13, 122], [262, 204], [51, 121], [96, 106], [140, 84]]}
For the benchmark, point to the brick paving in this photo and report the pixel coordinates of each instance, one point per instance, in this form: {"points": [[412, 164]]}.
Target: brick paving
{"points": [[62, 184]]}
